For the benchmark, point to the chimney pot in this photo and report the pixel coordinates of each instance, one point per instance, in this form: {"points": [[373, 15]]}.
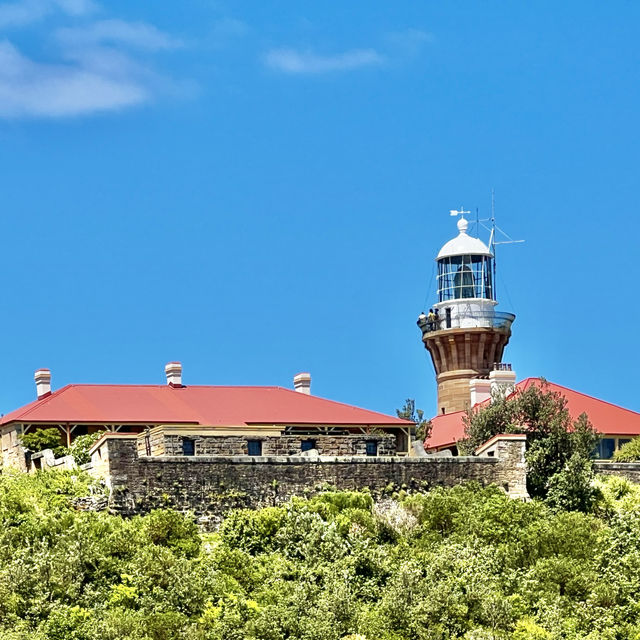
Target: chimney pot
{"points": [[173, 371], [302, 383], [43, 382]]}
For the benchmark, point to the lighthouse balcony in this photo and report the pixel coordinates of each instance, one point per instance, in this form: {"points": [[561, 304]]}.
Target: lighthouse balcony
{"points": [[468, 319]]}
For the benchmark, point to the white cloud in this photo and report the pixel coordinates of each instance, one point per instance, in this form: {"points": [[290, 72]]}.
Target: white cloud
{"points": [[33, 89], [18, 14], [307, 62], [99, 65], [134, 34]]}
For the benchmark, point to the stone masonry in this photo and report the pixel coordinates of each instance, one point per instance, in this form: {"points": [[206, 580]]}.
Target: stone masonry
{"points": [[160, 443], [208, 485], [628, 470]]}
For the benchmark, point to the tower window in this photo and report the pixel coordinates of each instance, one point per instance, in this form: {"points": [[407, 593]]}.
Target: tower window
{"points": [[468, 276]]}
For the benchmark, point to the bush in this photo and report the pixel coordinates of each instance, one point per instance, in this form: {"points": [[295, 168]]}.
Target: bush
{"points": [[79, 448], [42, 439], [629, 452]]}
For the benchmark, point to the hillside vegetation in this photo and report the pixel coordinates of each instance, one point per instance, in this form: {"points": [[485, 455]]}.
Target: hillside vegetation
{"points": [[465, 562]]}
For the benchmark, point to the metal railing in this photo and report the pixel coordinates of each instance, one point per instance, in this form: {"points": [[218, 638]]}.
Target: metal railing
{"points": [[468, 320]]}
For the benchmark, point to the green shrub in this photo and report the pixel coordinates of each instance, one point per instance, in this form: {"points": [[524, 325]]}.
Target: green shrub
{"points": [[79, 448], [629, 452], [42, 439]]}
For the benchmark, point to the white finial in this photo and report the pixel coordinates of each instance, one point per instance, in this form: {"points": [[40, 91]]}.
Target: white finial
{"points": [[463, 225]]}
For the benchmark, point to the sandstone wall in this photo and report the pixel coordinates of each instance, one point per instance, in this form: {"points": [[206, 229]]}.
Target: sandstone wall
{"points": [[208, 485], [344, 445], [628, 470]]}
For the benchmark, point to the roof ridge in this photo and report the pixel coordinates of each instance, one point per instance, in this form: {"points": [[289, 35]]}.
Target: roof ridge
{"points": [[39, 402], [581, 393], [166, 386], [344, 404]]}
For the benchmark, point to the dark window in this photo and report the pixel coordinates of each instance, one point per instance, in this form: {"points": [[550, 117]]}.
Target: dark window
{"points": [[622, 441], [254, 447], [188, 447], [307, 445], [606, 447], [372, 448]]}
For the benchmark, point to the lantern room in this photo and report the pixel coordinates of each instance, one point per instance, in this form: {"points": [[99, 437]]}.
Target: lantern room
{"points": [[465, 268]]}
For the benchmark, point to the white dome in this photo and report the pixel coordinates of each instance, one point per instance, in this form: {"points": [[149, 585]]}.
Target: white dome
{"points": [[464, 244]]}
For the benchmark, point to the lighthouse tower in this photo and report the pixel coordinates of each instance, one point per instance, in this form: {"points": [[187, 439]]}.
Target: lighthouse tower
{"points": [[467, 337]]}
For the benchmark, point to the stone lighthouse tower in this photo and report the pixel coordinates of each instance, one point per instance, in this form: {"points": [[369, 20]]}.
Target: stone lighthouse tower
{"points": [[467, 336]]}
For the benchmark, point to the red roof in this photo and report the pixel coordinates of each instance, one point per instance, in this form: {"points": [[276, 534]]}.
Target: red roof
{"points": [[607, 418], [216, 406]]}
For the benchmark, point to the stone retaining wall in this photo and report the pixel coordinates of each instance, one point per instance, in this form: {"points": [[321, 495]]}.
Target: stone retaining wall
{"points": [[628, 470], [209, 485]]}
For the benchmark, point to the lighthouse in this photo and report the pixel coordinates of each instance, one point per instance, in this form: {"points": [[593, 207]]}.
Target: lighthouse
{"points": [[464, 334]]}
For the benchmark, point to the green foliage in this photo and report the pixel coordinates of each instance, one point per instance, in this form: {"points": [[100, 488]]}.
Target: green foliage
{"points": [[558, 454], [409, 412], [42, 439], [462, 563], [79, 448], [629, 452]]}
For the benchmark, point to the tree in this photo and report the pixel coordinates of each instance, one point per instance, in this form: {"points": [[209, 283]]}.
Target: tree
{"points": [[42, 439], [559, 450], [409, 412]]}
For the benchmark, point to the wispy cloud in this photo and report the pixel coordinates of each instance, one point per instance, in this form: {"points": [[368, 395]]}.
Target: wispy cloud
{"points": [[32, 89], [18, 14], [117, 32], [395, 47], [100, 65], [308, 62]]}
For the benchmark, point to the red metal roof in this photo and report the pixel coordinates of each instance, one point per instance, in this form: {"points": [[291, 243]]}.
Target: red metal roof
{"points": [[607, 418], [206, 405]]}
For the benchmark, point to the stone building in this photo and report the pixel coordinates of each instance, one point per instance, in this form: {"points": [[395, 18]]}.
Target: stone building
{"points": [[194, 420]]}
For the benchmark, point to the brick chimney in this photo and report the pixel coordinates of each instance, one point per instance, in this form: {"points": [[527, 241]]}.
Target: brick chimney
{"points": [[302, 383], [43, 382], [173, 371]]}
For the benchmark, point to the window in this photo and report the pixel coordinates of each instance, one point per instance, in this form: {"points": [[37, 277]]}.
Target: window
{"points": [[254, 447], [188, 447], [622, 441], [372, 448], [467, 276], [307, 445], [605, 448]]}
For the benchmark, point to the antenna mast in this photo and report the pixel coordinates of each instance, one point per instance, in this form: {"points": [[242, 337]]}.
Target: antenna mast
{"points": [[493, 229], [492, 242]]}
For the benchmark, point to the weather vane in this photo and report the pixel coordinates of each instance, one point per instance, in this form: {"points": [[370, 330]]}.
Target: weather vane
{"points": [[460, 212]]}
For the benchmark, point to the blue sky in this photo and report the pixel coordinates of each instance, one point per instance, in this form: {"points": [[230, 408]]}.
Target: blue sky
{"points": [[260, 188]]}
